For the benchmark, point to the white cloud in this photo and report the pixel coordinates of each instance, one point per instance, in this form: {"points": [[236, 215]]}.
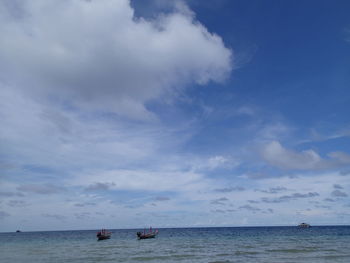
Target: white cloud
{"points": [[96, 54], [275, 154], [35, 132], [219, 161], [209, 164]]}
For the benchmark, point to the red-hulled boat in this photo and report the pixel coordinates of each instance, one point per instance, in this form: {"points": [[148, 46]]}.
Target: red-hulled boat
{"points": [[103, 234]]}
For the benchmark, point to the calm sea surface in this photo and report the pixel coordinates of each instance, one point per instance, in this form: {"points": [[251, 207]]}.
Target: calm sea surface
{"points": [[241, 244]]}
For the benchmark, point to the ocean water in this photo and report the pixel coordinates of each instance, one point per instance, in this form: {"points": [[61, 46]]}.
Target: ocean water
{"points": [[236, 244]]}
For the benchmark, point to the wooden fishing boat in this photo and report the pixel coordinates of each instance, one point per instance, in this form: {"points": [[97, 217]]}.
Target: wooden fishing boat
{"points": [[103, 234], [150, 234]]}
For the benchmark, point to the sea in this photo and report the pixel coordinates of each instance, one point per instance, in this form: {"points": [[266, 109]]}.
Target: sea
{"points": [[233, 244]]}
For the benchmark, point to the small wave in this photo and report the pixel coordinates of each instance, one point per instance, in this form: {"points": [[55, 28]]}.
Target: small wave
{"points": [[145, 258], [335, 257], [292, 250], [196, 246], [330, 250], [247, 246], [148, 258], [239, 252], [223, 255]]}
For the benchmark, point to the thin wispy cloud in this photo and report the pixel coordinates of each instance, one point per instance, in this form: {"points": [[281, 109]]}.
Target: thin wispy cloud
{"points": [[99, 186], [54, 216], [230, 189], [46, 189], [287, 198], [220, 201], [162, 198], [274, 190]]}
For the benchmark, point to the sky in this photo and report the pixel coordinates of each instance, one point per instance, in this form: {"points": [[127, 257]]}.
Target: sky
{"points": [[129, 114]]}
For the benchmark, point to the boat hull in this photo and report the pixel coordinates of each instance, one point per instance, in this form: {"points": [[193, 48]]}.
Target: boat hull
{"points": [[103, 234], [147, 236], [103, 237]]}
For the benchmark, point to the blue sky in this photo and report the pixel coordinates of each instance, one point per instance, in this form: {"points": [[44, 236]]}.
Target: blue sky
{"points": [[122, 114]]}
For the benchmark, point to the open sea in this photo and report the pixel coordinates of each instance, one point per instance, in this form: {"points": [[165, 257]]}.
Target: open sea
{"points": [[234, 244]]}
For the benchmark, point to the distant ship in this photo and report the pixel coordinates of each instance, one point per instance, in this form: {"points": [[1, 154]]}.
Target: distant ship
{"points": [[304, 225], [18, 231]]}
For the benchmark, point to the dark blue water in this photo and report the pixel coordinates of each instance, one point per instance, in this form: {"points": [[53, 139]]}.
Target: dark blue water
{"points": [[241, 244]]}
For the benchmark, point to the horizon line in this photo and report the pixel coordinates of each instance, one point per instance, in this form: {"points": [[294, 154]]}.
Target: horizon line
{"points": [[61, 230]]}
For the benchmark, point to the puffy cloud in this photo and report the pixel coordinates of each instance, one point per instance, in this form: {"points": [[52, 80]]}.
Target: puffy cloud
{"points": [[338, 193], [62, 60], [96, 54], [275, 154], [278, 156]]}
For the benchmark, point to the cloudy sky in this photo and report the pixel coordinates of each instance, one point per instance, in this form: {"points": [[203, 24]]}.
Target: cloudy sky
{"points": [[126, 114]]}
